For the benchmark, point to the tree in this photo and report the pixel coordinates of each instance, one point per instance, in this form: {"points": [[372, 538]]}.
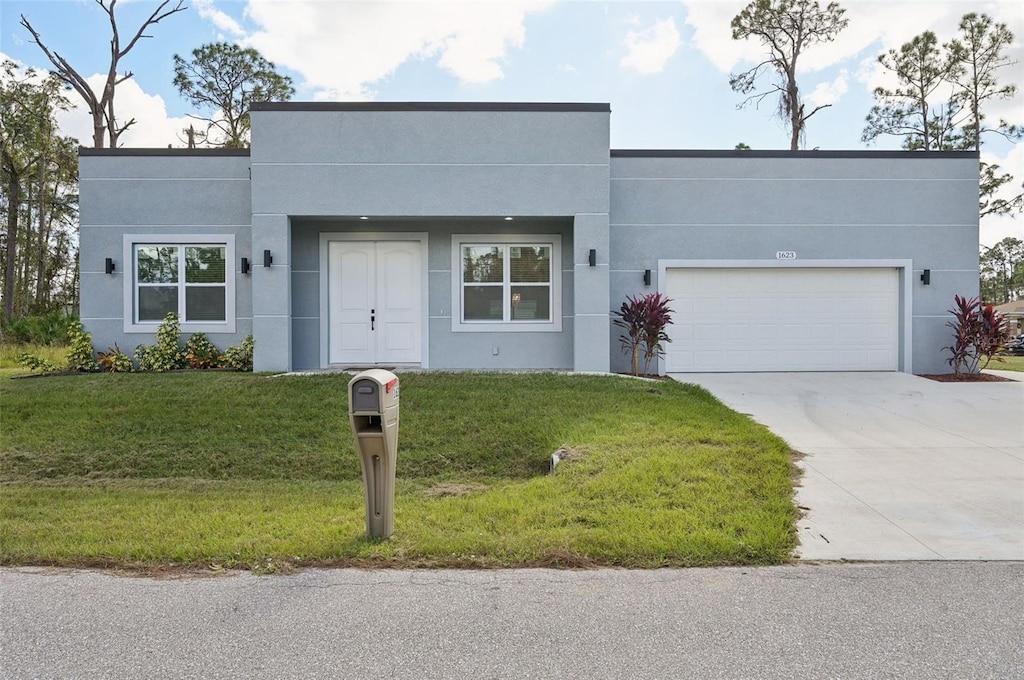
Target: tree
{"points": [[104, 121], [225, 79], [975, 56], [940, 100], [979, 51], [907, 111], [1002, 271], [988, 185], [786, 28], [38, 171]]}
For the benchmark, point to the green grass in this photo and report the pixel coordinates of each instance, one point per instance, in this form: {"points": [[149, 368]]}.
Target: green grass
{"points": [[239, 470], [1008, 363], [9, 352]]}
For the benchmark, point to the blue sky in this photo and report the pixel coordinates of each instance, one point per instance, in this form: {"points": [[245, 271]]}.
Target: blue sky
{"points": [[663, 66]]}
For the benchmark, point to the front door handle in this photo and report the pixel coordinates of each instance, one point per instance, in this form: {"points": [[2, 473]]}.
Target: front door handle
{"points": [[373, 318]]}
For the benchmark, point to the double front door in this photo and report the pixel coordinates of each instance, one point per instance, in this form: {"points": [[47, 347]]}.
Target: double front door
{"points": [[375, 302]]}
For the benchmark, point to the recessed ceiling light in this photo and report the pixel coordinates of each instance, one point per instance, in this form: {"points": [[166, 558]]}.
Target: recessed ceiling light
{"points": [[364, 217], [508, 219]]}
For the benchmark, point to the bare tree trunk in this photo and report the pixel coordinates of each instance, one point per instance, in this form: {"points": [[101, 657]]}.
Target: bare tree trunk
{"points": [[11, 259], [42, 295], [22, 293], [102, 108]]}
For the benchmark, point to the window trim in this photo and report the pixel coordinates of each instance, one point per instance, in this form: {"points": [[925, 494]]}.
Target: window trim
{"points": [[554, 325], [130, 273]]}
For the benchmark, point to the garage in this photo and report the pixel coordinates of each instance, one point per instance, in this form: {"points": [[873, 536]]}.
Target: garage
{"points": [[783, 319]]}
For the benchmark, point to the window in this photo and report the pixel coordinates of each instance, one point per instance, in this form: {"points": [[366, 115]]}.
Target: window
{"points": [[506, 283], [190, 278]]}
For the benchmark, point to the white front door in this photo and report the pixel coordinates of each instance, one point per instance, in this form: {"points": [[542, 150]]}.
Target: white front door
{"points": [[374, 300]]}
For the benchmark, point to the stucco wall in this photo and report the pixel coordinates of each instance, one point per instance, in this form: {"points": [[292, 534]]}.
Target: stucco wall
{"points": [[456, 169], [432, 162], [158, 192], [824, 206], [447, 349]]}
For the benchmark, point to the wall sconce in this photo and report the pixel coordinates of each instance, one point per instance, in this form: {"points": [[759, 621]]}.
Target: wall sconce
{"points": [[926, 277], [245, 265], [647, 277], [108, 265], [267, 259], [593, 257]]}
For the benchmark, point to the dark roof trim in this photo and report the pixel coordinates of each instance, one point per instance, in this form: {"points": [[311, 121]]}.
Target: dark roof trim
{"points": [[432, 106], [753, 153], [124, 151]]}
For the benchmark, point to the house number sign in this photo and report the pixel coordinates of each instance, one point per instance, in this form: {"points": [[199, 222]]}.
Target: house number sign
{"points": [[785, 255]]}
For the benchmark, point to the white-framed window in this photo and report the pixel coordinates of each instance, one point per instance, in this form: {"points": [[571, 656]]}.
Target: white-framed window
{"points": [[192, 275], [506, 282]]}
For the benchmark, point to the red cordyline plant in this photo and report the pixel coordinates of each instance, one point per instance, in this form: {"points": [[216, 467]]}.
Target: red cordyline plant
{"points": [[644, 319], [979, 333]]}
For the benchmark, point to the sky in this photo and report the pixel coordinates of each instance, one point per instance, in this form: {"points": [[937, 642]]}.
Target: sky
{"points": [[662, 66]]}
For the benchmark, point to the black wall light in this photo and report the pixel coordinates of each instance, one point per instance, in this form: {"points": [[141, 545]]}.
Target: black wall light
{"points": [[245, 265], [267, 259], [647, 277], [108, 265], [593, 257], [926, 277]]}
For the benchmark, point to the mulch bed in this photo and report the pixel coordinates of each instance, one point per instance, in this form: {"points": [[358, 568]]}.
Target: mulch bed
{"points": [[967, 377]]}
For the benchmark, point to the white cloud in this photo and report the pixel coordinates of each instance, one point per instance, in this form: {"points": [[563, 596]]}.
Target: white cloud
{"points": [[995, 229], [712, 35], [889, 23], [152, 129], [218, 18], [342, 48], [648, 50], [826, 94]]}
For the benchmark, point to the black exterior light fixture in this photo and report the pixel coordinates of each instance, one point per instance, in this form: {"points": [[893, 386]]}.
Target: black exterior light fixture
{"points": [[647, 277], [593, 257], [267, 259], [926, 277], [108, 265], [245, 265]]}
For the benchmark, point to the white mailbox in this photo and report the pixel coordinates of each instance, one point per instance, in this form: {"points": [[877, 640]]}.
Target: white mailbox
{"points": [[373, 415]]}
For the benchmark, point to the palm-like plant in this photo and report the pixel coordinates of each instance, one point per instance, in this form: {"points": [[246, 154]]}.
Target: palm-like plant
{"points": [[644, 319]]}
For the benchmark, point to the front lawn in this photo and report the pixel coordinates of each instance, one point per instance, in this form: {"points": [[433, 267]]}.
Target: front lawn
{"points": [[240, 470], [9, 352], [1008, 363]]}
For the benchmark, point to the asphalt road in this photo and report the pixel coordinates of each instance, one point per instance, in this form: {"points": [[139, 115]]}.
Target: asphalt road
{"points": [[894, 620]]}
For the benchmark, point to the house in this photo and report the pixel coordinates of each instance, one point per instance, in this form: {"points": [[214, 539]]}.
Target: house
{"points": [[500, 236], [1014, 313]]}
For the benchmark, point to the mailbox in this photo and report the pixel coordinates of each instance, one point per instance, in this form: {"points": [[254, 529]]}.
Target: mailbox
{"points": [[373, 415]]}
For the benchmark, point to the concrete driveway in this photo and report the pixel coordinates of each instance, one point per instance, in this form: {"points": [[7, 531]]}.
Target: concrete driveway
{"points": [[897, 467]]}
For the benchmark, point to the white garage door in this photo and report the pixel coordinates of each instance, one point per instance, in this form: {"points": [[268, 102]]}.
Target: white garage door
{"points": [[729, 320]]}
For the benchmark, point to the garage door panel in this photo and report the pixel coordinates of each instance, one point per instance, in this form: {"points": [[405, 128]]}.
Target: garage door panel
{"points": [[783, 319]]}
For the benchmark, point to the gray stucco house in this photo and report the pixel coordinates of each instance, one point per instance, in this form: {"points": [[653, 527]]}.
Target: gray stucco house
{"points": [[499, 236]]}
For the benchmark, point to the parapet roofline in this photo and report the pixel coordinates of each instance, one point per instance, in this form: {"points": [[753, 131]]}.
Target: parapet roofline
{"points": [[545, 107], [150, 151], [780, 153]]}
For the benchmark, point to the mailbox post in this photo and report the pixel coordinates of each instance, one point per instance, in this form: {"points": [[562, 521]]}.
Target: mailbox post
{"points": [[373, 414]]}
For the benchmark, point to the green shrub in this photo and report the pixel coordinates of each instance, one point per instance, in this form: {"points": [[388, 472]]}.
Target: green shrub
{"points": [[80, 355], [239, 357], [44, 329], [114, 360], [201, 353], [166, 354], [34, 363]]}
